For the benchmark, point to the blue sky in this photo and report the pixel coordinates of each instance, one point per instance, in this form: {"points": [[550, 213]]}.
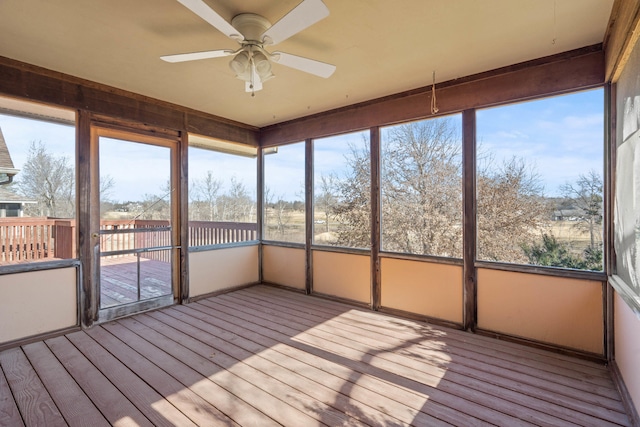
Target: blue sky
{"points": [[284, 172], [561, 136]]}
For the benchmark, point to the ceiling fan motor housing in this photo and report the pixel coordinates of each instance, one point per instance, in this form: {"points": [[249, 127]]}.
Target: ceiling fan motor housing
{"points": [[251, 26]]}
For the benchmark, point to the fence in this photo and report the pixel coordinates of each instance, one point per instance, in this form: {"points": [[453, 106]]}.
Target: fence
{"points": [[30, 239], [204, 233], [27, 239]]}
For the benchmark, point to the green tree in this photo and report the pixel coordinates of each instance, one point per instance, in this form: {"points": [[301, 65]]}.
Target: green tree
{"points": [[550, 252]]}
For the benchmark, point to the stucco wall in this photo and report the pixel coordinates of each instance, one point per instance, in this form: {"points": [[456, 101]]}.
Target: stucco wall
{"points": [[425, 288], [627, 351], [284, 266], [37, 302], [342, 275], [555, 310], [219, 269]]}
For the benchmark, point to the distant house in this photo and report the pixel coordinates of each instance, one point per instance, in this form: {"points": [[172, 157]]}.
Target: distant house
{"points": [[11, 204], [570, 214]]}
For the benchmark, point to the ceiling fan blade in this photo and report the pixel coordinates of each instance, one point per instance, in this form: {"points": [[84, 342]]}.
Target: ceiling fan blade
{"points": [[320, 69], [302, 16], [201, 9], [194, 56]]}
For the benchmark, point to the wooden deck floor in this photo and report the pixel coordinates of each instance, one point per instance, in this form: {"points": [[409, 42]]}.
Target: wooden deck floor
{"points": [[264, 356], [119, 279]]}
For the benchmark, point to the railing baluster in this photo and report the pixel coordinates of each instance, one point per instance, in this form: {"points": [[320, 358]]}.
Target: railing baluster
{"points": [[27, 239]]}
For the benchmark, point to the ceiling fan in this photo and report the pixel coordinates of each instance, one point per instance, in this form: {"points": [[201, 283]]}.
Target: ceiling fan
{"points": [[252, 62]]}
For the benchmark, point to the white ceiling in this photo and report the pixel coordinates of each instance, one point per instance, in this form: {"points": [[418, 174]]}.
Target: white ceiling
{"points": [[380, 47]]}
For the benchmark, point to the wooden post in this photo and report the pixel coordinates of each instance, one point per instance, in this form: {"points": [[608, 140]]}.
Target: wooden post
{"points": [[376, 284], [469, 291], [610, 146], [259, 210], [308, 207], [88, 220], [183, 221]]}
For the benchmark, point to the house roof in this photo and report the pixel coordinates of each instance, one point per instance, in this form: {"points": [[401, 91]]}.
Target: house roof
{"points": [[8, 196], [380, 47], [5, 156]]}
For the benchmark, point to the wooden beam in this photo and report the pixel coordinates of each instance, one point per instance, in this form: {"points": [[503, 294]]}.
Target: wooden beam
{"points": [[29, 82], [469, 290], [578, 69], [622, 34], [206, 125]]}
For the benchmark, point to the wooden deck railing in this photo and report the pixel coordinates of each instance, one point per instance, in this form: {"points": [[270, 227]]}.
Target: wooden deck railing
{"points": [[204, 233], [26, 239], [29, 239]]}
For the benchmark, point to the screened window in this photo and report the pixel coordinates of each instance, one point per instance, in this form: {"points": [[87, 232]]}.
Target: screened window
{"points": [[341, 189], [284, 206], [37, 183], [222, 192], [421, 187], [540, 182]]}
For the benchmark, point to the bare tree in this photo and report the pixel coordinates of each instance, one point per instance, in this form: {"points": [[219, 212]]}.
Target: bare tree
{"points": [[326, 199], [50, 180], [353, 207], [237, 205], [205, 192], [106, 186], [585, 195], [422, 197], [421, 189], [512, 210]]}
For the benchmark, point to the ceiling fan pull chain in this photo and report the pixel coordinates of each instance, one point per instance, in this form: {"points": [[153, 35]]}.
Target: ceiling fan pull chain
{"points": [[253, 74], [434, 106]]}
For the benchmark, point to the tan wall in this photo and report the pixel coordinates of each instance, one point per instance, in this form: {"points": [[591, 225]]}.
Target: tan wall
{"points": [[425, 288], [627, 351], [342, 275], [37, 302], [555, 310], [284, 266], [219, 269]]}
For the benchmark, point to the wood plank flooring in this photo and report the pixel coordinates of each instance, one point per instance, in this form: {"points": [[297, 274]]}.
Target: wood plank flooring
{"points": [[119, 279], [264, 357]]}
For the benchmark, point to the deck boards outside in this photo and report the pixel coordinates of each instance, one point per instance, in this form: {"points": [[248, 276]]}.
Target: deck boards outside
{"points": [[264, 356], [119, 278]]}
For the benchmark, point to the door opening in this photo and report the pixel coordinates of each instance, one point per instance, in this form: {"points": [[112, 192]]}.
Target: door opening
{"points": [[137, 253]]}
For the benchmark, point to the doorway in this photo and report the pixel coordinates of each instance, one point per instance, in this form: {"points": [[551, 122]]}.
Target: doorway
{"points": [[136, 258]]}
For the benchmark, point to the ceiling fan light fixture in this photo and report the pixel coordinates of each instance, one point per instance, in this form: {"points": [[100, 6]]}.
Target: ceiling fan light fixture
{"points": [[267, 76], [251, 63], [240, 63], [262, 63]]}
